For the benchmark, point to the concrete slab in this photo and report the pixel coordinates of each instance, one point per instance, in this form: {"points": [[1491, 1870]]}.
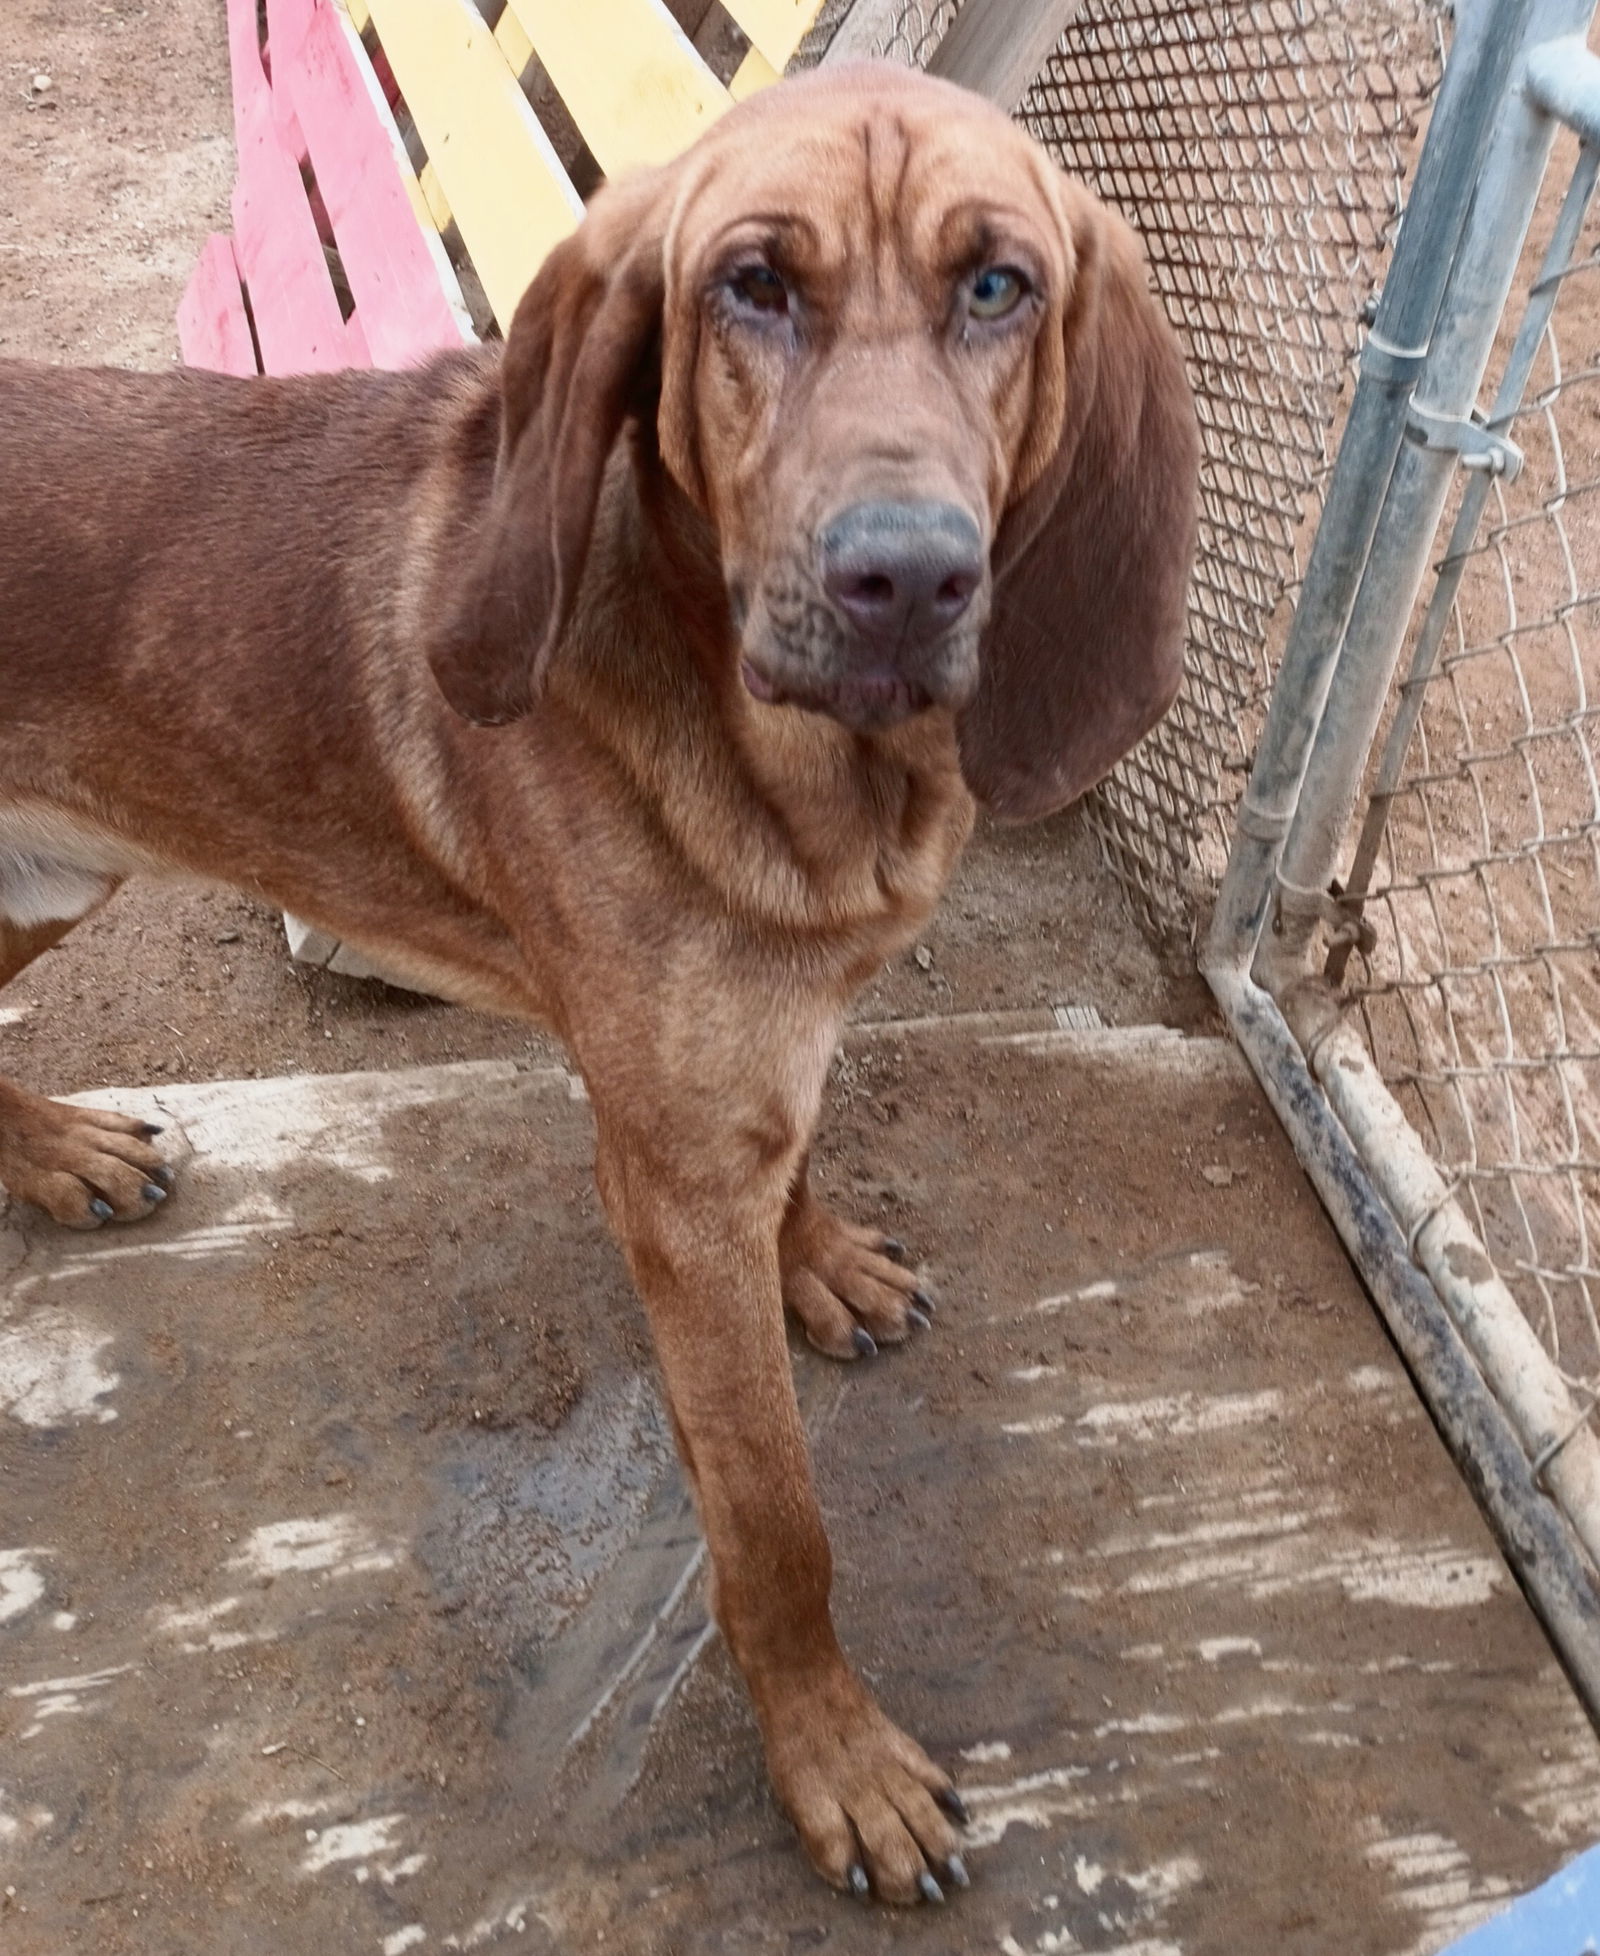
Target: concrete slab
{"points": [[349, 1598]]}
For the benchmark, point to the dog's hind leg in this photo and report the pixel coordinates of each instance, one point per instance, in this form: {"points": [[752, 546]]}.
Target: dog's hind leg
{"points": [[81, 1165]]}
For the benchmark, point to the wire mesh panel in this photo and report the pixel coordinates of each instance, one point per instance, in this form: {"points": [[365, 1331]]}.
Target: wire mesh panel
{"points": [[1481, 998], [1259, 150]]}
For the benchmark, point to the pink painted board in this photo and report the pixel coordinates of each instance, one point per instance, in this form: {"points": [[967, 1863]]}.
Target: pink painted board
{"points": [[212, 328], [250, 88], [287, 21], [395, 278], [299, 327]]}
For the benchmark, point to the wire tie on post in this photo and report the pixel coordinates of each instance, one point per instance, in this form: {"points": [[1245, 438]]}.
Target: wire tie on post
{"points": [[1445, 1196], [1551, 1448]]}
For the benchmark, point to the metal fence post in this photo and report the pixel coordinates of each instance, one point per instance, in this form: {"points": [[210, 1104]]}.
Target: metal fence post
{"points": [[1439, 435], [1486, 44]]}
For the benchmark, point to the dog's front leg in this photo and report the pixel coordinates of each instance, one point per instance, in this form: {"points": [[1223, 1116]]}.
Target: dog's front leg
{"points": [[703, 1246]]}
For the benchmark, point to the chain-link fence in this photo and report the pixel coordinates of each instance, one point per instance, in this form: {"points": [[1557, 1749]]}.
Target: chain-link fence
{"points": [[1260, 151], [1480, 995]]}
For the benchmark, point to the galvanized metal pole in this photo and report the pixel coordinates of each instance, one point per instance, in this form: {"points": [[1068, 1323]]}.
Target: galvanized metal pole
{"points": [[1440, 435], [1488, 38]]}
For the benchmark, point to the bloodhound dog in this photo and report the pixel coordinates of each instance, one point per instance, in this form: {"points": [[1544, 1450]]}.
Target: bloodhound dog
{"points": [[638, 679]]}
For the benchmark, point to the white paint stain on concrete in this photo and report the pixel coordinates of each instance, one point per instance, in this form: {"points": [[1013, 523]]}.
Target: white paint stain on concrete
{"points": [[512, 1915], [21, 1581], [291, 1809], [986, 1752], [270, 1125], [1214, 1649], [50, 1370], [1263, 1544], [196, 1628], [1176, 1416], [404, 1939], [1084, 1294], [19, 1823], [1429, 1875], [1131, 1905], [1036, 1800], [63, 1697], [338, 1545], [356, 1845], [204, 1616], [234, 1236], [1434, 1576]]}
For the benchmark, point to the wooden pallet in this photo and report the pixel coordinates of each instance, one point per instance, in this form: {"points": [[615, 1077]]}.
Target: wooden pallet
{"points": [[397, 186], [398, 189]]}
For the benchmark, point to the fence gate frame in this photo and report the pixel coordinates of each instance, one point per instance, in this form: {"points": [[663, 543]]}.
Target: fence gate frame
{"points": [[1283, 927]]}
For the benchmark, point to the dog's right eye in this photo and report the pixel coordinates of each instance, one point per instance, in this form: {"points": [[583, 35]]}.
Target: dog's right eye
{"points": [[759, 288]]}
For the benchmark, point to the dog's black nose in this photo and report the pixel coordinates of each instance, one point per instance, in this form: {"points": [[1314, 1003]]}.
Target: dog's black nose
{"points": [[901, 571]]}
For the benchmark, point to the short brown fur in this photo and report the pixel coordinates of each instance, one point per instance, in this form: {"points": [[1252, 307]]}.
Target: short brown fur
{"points": [[228, 609]]}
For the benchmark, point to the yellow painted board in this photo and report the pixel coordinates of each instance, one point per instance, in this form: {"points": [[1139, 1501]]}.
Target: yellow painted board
{"points": [[755, 71], [357, 10], [435, 204], [513, 41], [628, 74], [509, 196], [776, 27]]}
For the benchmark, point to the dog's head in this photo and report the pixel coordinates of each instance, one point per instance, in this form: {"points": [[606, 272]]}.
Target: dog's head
{"points": [[913, 378]]}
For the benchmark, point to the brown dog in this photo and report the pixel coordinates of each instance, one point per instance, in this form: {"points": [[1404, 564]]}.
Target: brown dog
{"points": [[836, 474]]}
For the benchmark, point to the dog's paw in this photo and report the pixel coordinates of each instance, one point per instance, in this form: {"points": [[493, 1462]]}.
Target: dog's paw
{"points": [[83, 1166], [874, 1813], [846, 1284]]}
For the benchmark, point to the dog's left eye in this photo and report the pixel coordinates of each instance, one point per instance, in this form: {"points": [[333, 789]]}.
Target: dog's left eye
{"points": [[760, 288], [996, 291]]}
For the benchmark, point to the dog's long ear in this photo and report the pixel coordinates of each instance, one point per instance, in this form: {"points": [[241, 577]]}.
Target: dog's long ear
{"points": [[584, 330], [1083, 652]]}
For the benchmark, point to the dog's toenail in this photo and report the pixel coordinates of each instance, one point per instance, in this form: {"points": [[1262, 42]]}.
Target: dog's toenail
{"points": [[864, 1342], [931, 1891], [162, 1175], [956, 1869], [953, 1804], [153, 1192], [857, 1878], [149, 1129], [924, 1302], [920, 1319], [101, 1208], [894, 1249]]}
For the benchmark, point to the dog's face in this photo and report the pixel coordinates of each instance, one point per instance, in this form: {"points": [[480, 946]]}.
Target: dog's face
{"points": [[862, 370], [888, 352]]}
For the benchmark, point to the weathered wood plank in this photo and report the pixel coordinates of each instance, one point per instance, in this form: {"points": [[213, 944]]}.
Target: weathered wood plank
{"points": [[755, 71], [629, 75], [776, 27], [404, 289], [508, 193], [299, 327], [996, 47], [249, 77], [213, 330]]}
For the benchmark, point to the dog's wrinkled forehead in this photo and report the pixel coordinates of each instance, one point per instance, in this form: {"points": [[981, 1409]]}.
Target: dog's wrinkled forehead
{"points": [[872, 171]]}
